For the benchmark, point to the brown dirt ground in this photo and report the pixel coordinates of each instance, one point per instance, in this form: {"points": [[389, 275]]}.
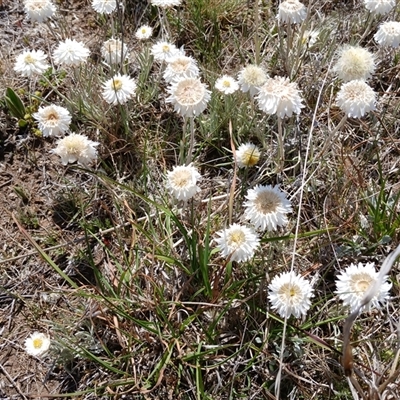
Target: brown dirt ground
{"points": [[33, 189]]}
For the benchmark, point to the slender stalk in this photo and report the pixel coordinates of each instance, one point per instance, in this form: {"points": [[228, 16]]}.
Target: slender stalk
{"points": [[281, 149], [191, 143]]}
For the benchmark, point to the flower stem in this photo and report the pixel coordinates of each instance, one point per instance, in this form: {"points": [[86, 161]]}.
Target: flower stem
{"points": [[191, 143]]}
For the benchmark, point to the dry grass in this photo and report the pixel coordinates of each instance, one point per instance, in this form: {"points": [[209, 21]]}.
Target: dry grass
{"points": [[127, 282]]}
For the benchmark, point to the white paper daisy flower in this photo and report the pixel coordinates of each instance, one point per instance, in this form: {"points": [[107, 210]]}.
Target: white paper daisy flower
{"points": [[104, 6], [37, 344], [31, 62], [290, 294], [70, 52], [251, 78], [379, 6], [308, 37], [292, 12], [238, 243], [353, 283], [279, 96], [165, 3], [180, 66], [356, 98], [388, 34], [266, 207], [114, 51], [76, 147], [227, 84], [119, 89], [164, 50], [247, 155], [144, 32], [182, 182], [189, 96], [53, 120], [354, 62], [39, 10]]}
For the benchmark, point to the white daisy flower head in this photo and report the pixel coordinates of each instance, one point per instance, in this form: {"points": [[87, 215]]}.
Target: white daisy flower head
{"points": [[37, 344], [379, 6], [189, 96], [76, 147], [237, 243], [309, 37], [251, 78], [290, 294], [163, 50], [144, 32], [165, 3], [119, 89], [292, 12], [354, 62], [53, 120], [266, 207], [180, 66], [182, 182], [247, 155], [104, 6], [388, 34], [114, 51], [39, 10], [31, 62], [279, 96], [353, 283], [70, 52], [356, 98], [227, 84]]}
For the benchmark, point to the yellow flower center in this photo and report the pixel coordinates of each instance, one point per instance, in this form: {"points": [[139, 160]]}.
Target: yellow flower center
{"points": [[250, 157], [29, 59], [117, 84], [288, 293], [37, 343], [236, 239], [166, 48]]}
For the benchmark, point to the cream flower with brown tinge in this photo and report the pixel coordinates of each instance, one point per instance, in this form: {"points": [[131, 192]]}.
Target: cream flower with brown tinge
{"points": [[180, 66], [189, 96], [76, 147], [53, 120], [114, 51], [279, 96], [247, 155], [182, 181], [251, 78], [237, 243], [266, 207], [353, 283], [354, 62], [356, 98]]}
